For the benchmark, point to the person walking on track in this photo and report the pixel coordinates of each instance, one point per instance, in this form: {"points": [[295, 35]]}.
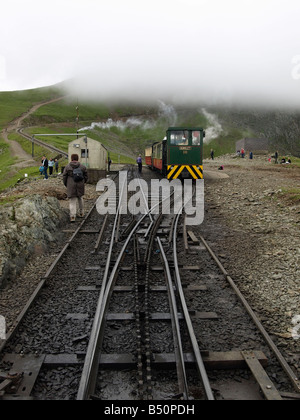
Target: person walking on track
{"points": [[139, 161], [75, 177]]}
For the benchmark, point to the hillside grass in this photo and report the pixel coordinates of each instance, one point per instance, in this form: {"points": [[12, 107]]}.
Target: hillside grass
{"points": [[295, 161], [18, 176], [290, 196], [14, 104], [8, 175], [26, 145], [127, 142], [6, 160], [123, 145], [65, 111]]}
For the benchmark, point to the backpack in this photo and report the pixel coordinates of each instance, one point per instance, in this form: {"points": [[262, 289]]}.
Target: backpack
{"points": [[78, 175]]}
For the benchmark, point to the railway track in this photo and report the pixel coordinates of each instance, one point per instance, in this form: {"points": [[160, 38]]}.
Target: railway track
{"points": [[34, 140], [123, 313], [144, 354]]}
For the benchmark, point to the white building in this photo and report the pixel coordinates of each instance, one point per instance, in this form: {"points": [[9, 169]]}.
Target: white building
{"points": [[91, 153]]}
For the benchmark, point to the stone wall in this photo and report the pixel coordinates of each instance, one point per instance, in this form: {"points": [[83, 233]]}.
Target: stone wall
{"points": [[253, 145]]}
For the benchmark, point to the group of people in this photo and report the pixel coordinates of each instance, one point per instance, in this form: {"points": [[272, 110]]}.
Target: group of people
{"points": [[75, 176], [50, 165], [242, 153], [283, 160]]}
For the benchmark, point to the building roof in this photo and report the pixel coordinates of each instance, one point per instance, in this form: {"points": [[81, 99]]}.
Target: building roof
{"points": [[88, 139]]}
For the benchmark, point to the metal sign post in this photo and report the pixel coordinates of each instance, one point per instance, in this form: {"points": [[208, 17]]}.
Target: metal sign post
{"points": [[32, 139], [86, 152], [57, 135]]}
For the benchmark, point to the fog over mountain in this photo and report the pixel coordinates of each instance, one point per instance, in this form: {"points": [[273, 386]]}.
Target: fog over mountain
{"points": [[204, 51]]}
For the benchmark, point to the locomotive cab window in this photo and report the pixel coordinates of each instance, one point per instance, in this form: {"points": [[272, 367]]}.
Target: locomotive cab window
{"points": [[179, 138], [196, 138]]}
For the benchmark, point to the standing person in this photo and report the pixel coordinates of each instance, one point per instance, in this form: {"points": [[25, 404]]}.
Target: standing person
{"points": [[139, 161], [276, 156], [74, 177], [242, 153], [56, 165], [45, 164], [109, 163], [212, 154], [251, 155], [51, 166]]}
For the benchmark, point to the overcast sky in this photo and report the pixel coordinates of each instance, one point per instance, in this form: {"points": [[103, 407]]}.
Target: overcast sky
{"points": [[221, 50]]}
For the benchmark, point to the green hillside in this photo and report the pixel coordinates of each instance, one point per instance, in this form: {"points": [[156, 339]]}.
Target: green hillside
{"points": [[126, 129], [14, 104]]}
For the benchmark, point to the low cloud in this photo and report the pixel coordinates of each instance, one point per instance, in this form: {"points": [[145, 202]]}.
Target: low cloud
{"points": [[195, 51]]}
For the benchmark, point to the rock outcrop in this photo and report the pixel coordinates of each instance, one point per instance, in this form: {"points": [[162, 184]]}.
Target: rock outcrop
{"points": [[27, 226]]}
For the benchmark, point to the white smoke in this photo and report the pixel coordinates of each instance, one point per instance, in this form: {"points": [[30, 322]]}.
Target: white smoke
{"points": [[168, 112], [165, 111], [213, 131], [131, 122]]}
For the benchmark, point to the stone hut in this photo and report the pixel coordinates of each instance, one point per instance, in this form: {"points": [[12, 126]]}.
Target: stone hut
{"points": [[255, 145], [92, 154]]}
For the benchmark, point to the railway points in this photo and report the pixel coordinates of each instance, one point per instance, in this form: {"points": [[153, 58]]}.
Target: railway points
{"points": [[139, 318]]}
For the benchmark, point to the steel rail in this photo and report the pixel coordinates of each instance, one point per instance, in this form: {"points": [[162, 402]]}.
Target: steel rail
{"points": [[41, 284], [146, 318], [192, 335], [43, 281], [87, 383], [179, 354], [91, 364], [112, 241], [292, 376], [90, 368], [138, 323], [41, 143]]}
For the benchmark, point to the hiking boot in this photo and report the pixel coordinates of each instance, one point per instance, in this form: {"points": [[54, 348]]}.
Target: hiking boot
{"points": [[73, 219], [81, 214]]}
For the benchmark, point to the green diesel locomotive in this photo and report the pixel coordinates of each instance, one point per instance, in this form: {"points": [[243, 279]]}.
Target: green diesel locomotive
{"points": [[179, 155]]}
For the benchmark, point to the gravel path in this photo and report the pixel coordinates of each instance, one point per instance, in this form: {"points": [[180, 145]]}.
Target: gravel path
{"points": [[254, 226], [16, 150]]}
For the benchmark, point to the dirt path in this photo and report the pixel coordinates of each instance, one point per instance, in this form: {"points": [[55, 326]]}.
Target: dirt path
{"points": [[16, 150]]}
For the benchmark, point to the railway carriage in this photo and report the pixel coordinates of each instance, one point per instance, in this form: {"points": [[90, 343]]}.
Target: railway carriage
{"points": [[180, 155], [148, 156]]}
